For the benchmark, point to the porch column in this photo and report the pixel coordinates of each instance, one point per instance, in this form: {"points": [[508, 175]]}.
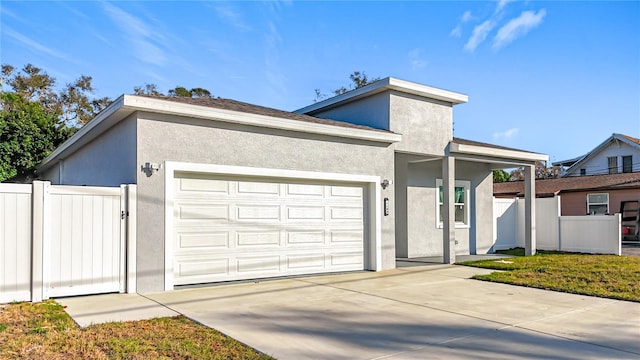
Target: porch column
{"points": [[448, 210], [529, 210]]}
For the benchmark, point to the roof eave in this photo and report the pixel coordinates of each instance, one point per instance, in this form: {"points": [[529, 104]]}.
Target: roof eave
{"points": [[386, 84]]}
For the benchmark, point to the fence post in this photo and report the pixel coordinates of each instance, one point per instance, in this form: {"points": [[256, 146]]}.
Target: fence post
{"points": [[38, 232], [130, 257]]}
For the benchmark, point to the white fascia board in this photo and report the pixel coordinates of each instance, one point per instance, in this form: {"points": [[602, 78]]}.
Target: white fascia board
{"points": [[499, 153], [82, 133], [387, 84], [237, 117]]}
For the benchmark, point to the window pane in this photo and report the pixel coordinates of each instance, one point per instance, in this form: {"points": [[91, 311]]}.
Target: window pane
{"points": [[627, 164], [441, 208], [459, 213], [459, 196], [440, 195], [613, 164], [598, 198], [597, 209]]}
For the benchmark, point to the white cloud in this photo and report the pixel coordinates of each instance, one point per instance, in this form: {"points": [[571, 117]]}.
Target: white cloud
{"points": [[506, 135], [142, 36], [457, 31], [416, 59], [466, 16], [501, 5], [232, 16], [479, 34], [518, 27], [36, 46]]}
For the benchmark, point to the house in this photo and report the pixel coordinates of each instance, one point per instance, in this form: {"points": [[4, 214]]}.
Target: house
{"points": [[229, 191], [617, 154], [582, 195]]}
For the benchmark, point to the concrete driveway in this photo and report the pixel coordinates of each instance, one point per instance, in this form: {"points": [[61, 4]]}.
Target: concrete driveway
{"points": [[413, 312]]}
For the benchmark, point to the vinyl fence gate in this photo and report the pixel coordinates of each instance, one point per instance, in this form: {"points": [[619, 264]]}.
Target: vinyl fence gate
{"points": [[59, 240]]}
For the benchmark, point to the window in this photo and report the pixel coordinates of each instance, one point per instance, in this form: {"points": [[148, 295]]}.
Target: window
{"points": [[583, 172], [461, 203], [597, 204], [613, 164], [627, 164]]}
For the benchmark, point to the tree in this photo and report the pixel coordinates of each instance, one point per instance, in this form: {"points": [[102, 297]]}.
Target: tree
{"points": [[72, 104], [29, 132], [358, 80], [500, 176], [36, 117], [178, 91], [542, 171]]}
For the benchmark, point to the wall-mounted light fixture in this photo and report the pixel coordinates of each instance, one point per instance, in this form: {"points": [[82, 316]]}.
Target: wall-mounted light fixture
{"points": [[385, 183], [150, 168]]}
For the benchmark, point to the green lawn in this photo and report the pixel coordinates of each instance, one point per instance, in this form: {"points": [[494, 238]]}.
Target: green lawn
{"points": [[609, 276], [45, 331]]}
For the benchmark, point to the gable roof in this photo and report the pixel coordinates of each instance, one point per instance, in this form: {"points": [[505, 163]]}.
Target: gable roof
{"points": [[213, 109], [578, 161], [552, 187], [234, 105]]}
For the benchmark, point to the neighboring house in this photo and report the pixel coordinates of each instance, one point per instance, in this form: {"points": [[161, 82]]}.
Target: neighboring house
{"points": [[228, 190], [618, 154], [585, 195]]}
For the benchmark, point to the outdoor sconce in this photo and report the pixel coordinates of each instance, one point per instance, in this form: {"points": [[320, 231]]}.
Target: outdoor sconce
{"points": [[385, 183], [151, 168]]}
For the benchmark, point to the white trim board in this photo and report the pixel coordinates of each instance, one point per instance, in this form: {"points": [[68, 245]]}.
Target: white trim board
{"points": [[372, 188]]}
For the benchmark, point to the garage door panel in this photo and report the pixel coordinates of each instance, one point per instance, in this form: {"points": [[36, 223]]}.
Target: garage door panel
{"points": [[346, 259], [258, 264], [203, 212], [346, 213], [346, 236], [304, 238], [305, 213], [305, 190], [203, 240], [346, 192], [198, 268], [233, 229], [218, 187], [257, 212], [306, 262], [257, 188], [248, 239]]}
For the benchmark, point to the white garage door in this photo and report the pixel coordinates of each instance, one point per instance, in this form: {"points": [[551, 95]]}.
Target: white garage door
{"points": [[233, 229]]}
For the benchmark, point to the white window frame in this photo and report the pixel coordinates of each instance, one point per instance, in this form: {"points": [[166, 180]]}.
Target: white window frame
{"points": [[467, 204], [597, 203]]}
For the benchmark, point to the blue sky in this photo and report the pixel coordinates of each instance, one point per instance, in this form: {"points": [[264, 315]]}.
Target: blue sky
{"points": [[552, 77]]}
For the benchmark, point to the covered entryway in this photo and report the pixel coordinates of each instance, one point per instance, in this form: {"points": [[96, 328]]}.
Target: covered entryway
{"points": [[231, 227]]}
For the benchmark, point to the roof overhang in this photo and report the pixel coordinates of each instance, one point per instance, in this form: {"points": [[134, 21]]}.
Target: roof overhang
{"points": [[126, 105], [386, 84], [494, 155]]}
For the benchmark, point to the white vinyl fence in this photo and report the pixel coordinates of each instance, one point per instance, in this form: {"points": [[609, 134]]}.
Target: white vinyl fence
{"points": [[587, 234], [64, 240]]}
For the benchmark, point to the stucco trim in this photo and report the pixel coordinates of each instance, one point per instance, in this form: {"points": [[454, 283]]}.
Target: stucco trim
{"points": [[385, 84], [202, 112], [496, 152], [371, 187]]}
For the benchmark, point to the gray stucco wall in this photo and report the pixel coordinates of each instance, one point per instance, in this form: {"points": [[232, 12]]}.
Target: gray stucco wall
{"points": [[423, 237], [198, 141], [109, 160], [372, 111], [426, 125]]}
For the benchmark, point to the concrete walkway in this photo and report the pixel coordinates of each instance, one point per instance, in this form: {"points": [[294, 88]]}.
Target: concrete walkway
{"points": [[413, 312]]}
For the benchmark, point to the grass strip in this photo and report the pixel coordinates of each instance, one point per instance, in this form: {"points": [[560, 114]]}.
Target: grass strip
{"points": [[608, 276], [45, 331]]}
